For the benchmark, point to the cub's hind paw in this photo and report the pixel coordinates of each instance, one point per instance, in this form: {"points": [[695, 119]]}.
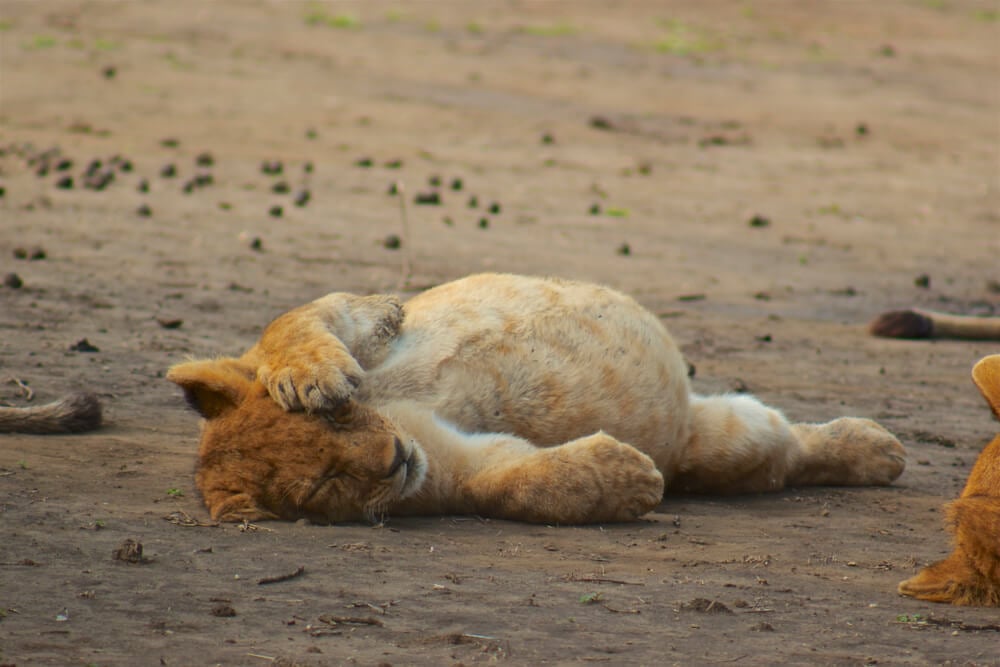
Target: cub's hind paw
{"points": [[849, 452], [316, 380]]}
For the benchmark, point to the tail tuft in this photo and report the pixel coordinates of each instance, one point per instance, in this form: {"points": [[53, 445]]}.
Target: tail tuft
{"points": [[80, 412], [902, 324]]}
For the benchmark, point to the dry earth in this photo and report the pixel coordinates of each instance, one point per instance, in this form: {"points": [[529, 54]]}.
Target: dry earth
{"points": [[864, 137]]}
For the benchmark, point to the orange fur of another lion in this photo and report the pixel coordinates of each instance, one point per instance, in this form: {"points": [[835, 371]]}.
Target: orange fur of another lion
{"points": [[971, 574], [505, 396]]}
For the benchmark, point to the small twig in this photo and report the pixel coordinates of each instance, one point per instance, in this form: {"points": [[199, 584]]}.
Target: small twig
{"points": [[182, 518], [407, 268], [282, 577], [602, 580], [330, 619], [621, 611], [262, 657], [28, 392]]}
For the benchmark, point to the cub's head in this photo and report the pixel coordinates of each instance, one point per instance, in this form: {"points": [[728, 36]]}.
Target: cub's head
{"points": [[257, 461]]}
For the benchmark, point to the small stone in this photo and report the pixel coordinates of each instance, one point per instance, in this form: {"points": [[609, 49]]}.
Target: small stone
{"points": [[130, 551], [272, 168], [223, 611], [84, 345], [427, 199]]}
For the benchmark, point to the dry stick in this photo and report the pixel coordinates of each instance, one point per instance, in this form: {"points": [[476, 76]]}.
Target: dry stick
{"points": [[330, 619], [282, 577], [28, 393], [407, 268], [603, 580]]}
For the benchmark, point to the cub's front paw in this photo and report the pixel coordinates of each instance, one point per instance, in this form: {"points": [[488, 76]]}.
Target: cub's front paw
{"points": [[628, 482], [315, 380]]}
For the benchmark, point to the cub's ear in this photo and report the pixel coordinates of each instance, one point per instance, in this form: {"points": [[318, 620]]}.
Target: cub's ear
{"points": [[213, 386], [986, 375]]}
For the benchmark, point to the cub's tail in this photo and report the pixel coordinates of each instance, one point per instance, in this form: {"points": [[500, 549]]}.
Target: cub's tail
{"points": [[75, 413], [915, 323]]}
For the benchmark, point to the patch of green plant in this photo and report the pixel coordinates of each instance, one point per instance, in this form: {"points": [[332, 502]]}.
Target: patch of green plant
{"points": [[176, 493], [41, 42], [551, 30], [177, 63], [474, 28], [590, 598], [987, 15], [6, 24], [101, 44], [910, 618], [682, 39], [22, 464], [832, 209], [318, 16], [616, 212]]}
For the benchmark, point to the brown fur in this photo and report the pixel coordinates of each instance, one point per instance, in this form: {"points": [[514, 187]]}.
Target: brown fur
{"points": [[75, 413], [506, 396], [971, 574]]}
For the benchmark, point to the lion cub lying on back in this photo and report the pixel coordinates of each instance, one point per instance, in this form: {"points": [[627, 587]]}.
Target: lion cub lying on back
{"points": [[511, 397]]}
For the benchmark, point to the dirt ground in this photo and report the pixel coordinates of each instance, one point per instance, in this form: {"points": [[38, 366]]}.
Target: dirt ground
{"points": [[764, 175]]}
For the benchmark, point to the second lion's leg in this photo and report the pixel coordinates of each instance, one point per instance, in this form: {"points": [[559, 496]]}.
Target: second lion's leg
{"points": [[313, 357]]}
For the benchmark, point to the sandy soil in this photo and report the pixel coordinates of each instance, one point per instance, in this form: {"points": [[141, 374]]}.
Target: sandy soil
{"points": [[863, 136]]}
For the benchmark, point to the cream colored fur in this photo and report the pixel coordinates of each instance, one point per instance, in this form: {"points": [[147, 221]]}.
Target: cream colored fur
{"points": [[508, 396]]}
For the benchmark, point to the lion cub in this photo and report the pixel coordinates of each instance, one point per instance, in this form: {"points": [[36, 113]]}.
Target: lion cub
{"points": [[506, 396], [971, 574]]}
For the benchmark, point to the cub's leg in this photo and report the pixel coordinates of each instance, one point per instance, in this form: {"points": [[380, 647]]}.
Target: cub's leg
{"points": [[739, 445], [589, 480], [313, 357]]}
